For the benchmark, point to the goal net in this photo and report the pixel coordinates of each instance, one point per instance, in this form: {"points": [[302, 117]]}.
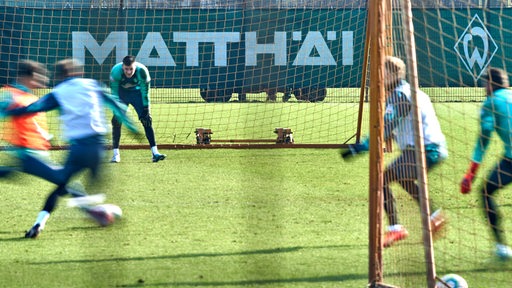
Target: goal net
{"points": [[238, 68], [455, 43]]}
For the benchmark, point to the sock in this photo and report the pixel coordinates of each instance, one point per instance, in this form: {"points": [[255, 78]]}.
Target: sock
{"points": [[41, 219], [154, 150], [435, 214], [116, 151], [394, 228]]}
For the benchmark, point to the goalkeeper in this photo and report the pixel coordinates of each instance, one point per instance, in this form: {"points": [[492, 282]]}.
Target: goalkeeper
{"points": [[495, 115], [398, 122], [130, 81]]}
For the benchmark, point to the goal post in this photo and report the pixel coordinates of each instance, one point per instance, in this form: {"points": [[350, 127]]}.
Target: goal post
{"points": [[421, 165], [377, 47], [381, 45]]}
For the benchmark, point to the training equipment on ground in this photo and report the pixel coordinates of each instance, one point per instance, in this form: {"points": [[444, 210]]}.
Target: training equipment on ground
{"points": [[452, 281]]}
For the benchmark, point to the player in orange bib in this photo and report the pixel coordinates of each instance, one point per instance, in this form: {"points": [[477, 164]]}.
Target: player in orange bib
{"points": [[27, 135]]}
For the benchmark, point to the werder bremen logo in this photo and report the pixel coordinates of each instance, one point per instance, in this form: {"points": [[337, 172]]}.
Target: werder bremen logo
{"points": [[476, 47]]}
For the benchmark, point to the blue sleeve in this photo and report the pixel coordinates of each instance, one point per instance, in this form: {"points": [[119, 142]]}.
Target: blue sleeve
{"points": [[486, 130], [46, 103], [119, 109]]}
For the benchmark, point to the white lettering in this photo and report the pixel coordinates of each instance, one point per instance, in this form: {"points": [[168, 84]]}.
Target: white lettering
{"points": [[252, 48], [220, 42], [155, 41], [348, 47], [313, 51], [84, 40], [314, 40]]}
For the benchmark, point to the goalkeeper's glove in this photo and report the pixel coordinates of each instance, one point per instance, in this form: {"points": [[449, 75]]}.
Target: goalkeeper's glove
{"points": [[353, 150], [469, 177]]}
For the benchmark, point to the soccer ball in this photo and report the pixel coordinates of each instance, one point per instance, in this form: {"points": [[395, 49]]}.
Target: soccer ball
{"points": [[104, 214], [453, 281], [113, 209]]}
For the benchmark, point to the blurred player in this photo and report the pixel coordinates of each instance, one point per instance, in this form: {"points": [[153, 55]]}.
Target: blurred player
{"points": [[398, 123], [80, 102], [27, 135], [130, 81], [495, 115]]}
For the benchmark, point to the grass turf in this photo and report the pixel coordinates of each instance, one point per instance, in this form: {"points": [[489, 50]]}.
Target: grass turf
{"points": [[242, 218]]}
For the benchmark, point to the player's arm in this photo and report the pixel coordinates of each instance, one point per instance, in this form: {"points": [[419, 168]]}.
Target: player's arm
{"points": [[355, 149], [486, 130], [482, 143], [398, 106], [115, 79], [46, 103], [119, 109], [145, 84]]}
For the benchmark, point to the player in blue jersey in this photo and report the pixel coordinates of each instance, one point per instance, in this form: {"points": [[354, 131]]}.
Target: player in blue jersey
{"points": [[130, 81], [81, 103], [398, 123], [495, 115]]}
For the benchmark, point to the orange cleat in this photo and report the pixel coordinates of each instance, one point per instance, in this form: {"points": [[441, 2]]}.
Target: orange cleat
{"points": [[394, 236]]}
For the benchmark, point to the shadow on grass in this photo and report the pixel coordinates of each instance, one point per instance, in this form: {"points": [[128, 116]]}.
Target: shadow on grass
{"points": [[494, 266], [22, 233], [319, 279], [193, 255]]}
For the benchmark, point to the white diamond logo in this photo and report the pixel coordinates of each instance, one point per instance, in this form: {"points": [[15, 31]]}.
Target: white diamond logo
{"points": [[476, 47]]}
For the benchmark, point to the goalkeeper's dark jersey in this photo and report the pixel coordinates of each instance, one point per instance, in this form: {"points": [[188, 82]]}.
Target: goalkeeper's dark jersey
{"points": [[138, 83]]}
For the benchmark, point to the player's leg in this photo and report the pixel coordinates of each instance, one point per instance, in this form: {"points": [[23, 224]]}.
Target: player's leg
{"points": [[147, 122], [434, 156], [6, 171], [116, 138], [81, 156], [407, 178], [499, 177], [395, 231], [50, 203], [88, 156], [116, 134], [40, 166], [44, 214], [34, 162]]}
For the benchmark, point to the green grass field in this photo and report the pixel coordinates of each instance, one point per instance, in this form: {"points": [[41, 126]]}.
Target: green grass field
{"points": [[242, 218]]}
